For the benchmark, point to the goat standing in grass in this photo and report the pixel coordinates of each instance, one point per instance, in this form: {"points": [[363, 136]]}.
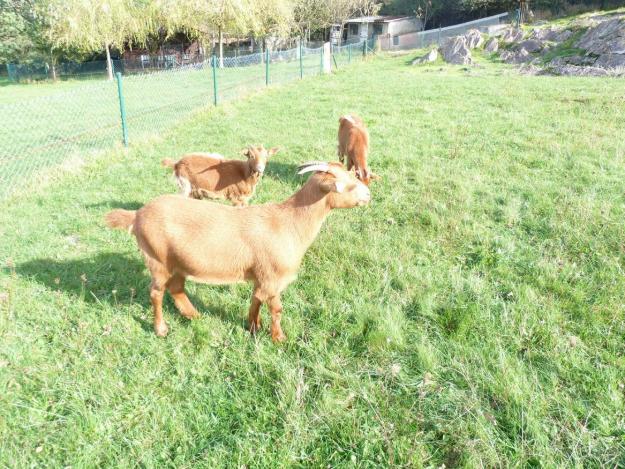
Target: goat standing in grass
{"points": [[354, 144], [183, 238], [209, 175]]}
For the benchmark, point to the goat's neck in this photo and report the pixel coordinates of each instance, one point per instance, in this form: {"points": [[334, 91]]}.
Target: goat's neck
{"points": [[250, 174], [310, 208]]}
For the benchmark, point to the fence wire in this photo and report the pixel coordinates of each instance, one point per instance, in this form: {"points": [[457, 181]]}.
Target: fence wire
{"points": [[39, 133]]}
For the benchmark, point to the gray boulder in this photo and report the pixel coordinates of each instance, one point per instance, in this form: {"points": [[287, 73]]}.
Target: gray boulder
{"points": [[455, 51], [492, 45], [516, 57], [574, 70], [610, 61], [607, 37], [530, 45], [551, 34], [512, 35], [474, 38], [580, 61], [431, 56]]}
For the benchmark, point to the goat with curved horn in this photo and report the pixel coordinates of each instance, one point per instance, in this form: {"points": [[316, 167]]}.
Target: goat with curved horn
{"points": [[182, 238]]}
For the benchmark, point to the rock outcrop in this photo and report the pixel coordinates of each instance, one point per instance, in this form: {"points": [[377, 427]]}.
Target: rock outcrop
{"points": [[456, 51], [474, 38], [492, 45], [431, 56]]}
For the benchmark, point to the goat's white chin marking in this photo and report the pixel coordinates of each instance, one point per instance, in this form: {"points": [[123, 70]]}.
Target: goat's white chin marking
{"points": [[363, 193]]}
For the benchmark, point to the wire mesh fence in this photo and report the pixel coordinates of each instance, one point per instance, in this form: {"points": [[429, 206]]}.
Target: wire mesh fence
{"points": [[421, 39], [41, 132]]}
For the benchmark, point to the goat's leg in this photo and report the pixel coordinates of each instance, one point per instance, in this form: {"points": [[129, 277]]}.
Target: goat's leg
{"points": [[275, 306], [253, 318], [157, 291], [340, 153], [160, 276], [175, 285]]}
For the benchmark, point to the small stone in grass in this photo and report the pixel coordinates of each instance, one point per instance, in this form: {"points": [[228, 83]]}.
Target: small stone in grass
{"points": [[395, 369], [574, 341], [38, 449]]}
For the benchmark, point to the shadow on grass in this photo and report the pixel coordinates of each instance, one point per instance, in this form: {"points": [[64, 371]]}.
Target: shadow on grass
{"points": [[109, 279], [113, 204], [282, 171]]}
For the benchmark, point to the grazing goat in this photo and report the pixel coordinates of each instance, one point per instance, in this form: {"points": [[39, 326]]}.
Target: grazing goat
{"points": [[209, 175], [183, 238], [354, 144]]}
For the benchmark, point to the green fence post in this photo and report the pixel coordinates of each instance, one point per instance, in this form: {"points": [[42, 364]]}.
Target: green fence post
{"points": [[364, 48], [266, 65], [349, 54], [214, 64], [301, 60], [122, 108]]}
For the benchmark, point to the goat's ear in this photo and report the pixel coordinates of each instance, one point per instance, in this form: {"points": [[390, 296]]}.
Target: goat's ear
{"points": [[375, 177], [273, 151], [333, 186], [245, 152]]}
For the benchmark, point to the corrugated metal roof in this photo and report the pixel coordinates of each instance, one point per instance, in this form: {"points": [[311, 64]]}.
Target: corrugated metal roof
{"points": [[378, 19]]}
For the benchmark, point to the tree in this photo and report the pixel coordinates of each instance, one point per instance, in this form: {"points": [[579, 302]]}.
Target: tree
{"points": [[93, 25], [271, 18], [203, 19], [310, 15]]}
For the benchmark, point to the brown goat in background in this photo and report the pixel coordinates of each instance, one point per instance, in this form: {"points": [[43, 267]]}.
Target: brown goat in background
{"points": [[354, 144], [209, 175]]}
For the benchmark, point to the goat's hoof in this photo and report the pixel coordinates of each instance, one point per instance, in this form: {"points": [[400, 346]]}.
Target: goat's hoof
{"points": [[161, 330], [277, 338], [191, 315]]}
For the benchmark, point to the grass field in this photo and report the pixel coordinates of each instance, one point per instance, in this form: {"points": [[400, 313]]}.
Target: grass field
{"points": [[472, 315]]}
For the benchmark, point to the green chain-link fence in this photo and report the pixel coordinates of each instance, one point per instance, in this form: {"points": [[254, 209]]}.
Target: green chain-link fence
{"points": [[41, 132]]}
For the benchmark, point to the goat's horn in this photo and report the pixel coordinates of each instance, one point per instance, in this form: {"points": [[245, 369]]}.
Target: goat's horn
{"points": [[313, 166]]}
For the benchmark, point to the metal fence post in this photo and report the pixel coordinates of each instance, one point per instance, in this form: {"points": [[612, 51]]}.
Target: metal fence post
{"points": [[321, 63], [301, 60], [439, 35], [266, 65], [214, 66], [349, 54], [364, 48], [122, 108]]}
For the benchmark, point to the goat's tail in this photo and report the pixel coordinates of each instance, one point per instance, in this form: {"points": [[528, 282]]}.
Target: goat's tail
{"points": [[168, 163], [121, 219]]}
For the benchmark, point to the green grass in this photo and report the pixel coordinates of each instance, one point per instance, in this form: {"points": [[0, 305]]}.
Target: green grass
{"points": [[472, 315]]}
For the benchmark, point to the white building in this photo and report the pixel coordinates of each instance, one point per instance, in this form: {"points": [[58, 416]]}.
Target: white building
{"points": [[366, 27]]}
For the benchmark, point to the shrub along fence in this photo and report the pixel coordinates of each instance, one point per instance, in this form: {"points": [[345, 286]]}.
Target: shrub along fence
{"points": [[41, 132]]}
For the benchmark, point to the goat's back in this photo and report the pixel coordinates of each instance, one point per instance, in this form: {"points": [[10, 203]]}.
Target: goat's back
{"points": [[207, 172], [213, 243]]}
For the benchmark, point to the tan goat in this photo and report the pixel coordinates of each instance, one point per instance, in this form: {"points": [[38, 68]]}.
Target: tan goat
{"points": [[213, 243], [209, 175], [354, 144]]}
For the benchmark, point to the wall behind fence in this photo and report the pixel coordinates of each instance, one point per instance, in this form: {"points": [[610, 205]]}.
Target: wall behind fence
{"points": [[418, 40], [38, 133]]}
